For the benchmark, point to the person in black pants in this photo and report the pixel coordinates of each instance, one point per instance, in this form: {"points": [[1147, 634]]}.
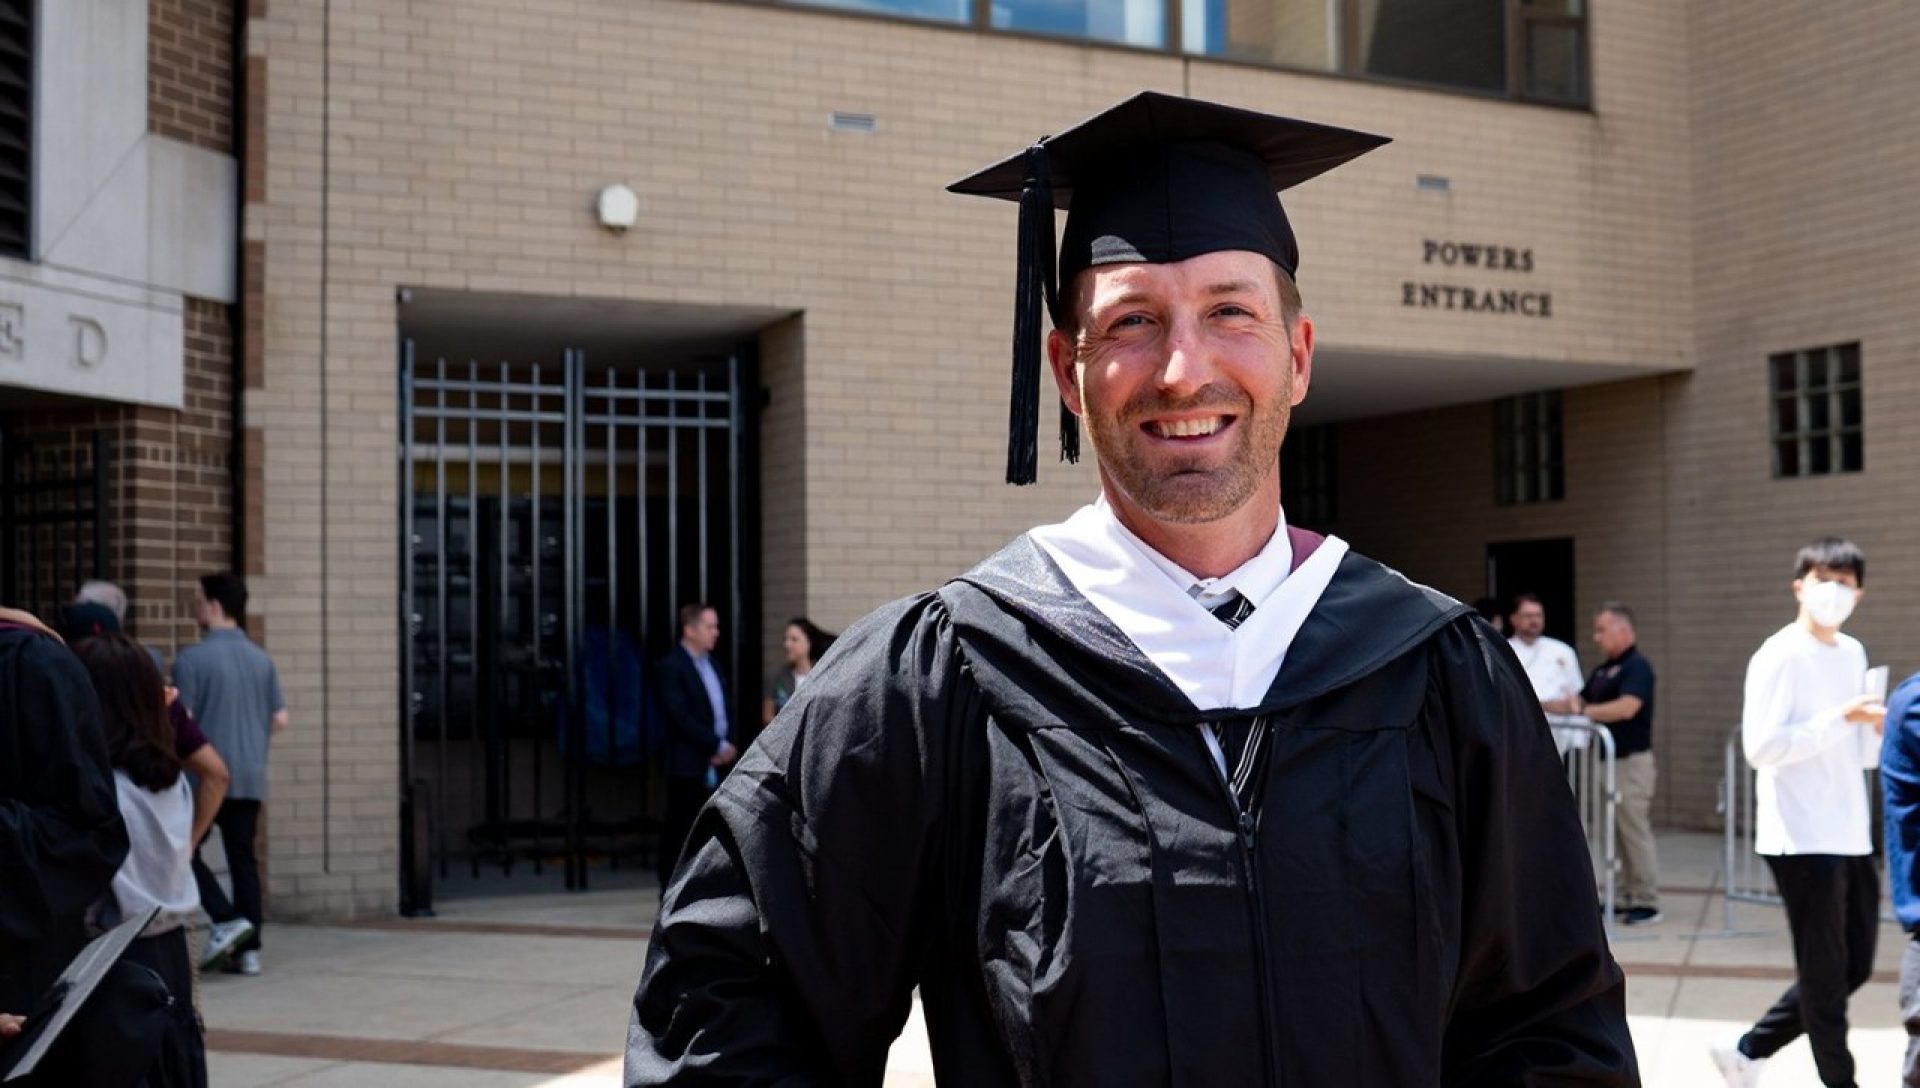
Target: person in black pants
{"points": [[698, 723]]}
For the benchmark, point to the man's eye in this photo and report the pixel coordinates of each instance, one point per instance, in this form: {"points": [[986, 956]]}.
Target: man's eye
{"points": [[1129, 321], [1233, 309]]}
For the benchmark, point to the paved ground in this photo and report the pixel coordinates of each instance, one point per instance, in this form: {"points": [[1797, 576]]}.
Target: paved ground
{"points": [[532, 989]]}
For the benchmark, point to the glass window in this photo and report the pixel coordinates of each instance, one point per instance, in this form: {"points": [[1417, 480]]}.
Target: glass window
{"points": [[1816, 417], [1453, 43], [1128, 22], [1307, 476], [1528, 445], [16, 126], [1290, 33], [943, 11]]}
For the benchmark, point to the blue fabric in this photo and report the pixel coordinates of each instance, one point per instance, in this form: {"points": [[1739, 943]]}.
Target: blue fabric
{"points": [[1900, 787], [710, 680], [621, 731]]}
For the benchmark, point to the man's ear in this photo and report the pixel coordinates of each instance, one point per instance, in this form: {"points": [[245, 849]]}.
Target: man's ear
{"points": [[1061, 360], [1300, 348]]}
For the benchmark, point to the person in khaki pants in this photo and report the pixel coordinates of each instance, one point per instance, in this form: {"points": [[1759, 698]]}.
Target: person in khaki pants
{"points": [[1619, 695]]}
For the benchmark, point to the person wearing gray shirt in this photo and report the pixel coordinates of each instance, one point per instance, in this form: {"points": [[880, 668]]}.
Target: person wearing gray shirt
{"points": [[232, 688]]}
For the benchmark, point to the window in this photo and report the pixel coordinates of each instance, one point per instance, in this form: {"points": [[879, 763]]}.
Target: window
{"points": [[1307, 469], [1534, 50], [1527, 449], [1816, 411], [16, 127]]}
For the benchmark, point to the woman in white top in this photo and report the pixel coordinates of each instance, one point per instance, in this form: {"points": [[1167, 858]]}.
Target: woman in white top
{"points": [[1811, 734], [156, 801]]}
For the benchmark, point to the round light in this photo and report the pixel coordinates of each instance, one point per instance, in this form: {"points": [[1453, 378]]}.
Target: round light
{"points": [[618, 207]]}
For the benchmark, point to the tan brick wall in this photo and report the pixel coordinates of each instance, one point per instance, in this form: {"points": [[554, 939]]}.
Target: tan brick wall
{"points": [[190, 71], [458, 146]]}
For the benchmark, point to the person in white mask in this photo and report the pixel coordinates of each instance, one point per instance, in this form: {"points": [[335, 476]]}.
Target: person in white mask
{"points": [[1810, 732]]}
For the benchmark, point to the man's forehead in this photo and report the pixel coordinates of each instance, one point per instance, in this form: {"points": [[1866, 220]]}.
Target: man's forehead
{"points": [[1833, 574], [1222, 268]]}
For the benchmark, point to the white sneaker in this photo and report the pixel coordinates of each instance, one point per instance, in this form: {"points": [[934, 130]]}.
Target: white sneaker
{"points": [[1740, 1070], [222, 937], [246, 963]]}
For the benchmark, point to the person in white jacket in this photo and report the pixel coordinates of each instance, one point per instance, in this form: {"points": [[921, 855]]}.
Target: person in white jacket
{"points": [[1811, 733]]}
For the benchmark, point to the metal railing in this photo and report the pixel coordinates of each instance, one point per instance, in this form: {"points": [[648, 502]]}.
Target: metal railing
{"points": [[1586, 750], [1748, 880]]}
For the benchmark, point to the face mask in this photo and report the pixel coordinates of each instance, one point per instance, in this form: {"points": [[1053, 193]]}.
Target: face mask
{"points": [[1828, 603]]}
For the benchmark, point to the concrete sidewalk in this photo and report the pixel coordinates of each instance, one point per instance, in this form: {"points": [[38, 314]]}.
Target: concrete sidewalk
{"points": [[533, 989]]}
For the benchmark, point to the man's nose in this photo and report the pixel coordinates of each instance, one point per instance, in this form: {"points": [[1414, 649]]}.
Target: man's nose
{"points": [[1189, 365]]}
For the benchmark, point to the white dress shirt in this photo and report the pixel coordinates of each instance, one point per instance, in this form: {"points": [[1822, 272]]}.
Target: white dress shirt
{"points": [[1162, 608], [1552, 666], [1810, 794]]}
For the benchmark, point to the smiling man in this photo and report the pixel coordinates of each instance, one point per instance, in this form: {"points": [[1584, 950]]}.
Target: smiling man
{"points": [[1170, 793]]}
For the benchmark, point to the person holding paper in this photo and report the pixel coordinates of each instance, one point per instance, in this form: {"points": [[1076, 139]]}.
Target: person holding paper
{"points": [[1811, 729]]}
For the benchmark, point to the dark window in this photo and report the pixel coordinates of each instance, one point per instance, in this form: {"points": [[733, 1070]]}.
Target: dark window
{"points": [[1528, 449], [1816, 416], [1307, 470], [16, 127]]}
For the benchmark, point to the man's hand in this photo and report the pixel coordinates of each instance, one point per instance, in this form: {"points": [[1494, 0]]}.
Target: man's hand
{"points": [[725, 755], [1866, 710], [279, 720], [10, 1025]]}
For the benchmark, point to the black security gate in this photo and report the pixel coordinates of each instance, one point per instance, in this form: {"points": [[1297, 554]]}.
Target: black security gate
{"points": [[54, 518], [553, 519]]}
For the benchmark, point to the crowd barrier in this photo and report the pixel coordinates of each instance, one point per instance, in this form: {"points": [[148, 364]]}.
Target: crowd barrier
{"points": [[1586, 750]]}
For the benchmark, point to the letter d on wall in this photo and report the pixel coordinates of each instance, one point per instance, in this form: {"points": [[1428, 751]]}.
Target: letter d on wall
{"points": [[89, 342]]}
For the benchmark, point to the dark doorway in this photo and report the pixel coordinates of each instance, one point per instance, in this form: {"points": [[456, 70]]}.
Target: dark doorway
{"points": [[553, 516], [54, 518], [1543, 568]]}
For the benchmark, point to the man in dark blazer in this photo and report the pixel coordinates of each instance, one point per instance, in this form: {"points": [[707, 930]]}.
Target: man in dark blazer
{"points": [[695, 705]]}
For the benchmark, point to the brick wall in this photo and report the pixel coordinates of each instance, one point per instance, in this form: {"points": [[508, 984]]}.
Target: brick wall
{"points": [[458, 146], [190, 71], [168, 491]]}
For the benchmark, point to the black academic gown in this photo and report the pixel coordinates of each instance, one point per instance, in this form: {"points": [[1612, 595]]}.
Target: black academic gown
{"points": [[61, 836], [989, 793]]}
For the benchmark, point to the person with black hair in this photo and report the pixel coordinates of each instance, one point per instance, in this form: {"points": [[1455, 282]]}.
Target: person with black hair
{"points": [[1811, 729], [156, 804], [801, 644], [233, 690]]}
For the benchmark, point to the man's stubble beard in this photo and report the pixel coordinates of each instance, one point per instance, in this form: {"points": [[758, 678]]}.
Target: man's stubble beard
{"points": [[1175, 495]]}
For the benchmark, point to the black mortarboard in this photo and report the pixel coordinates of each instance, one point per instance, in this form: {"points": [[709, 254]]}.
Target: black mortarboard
{"points": [[87, 619], [1157, 178]]}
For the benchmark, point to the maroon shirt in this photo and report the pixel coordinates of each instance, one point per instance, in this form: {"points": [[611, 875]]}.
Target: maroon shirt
{"points": [[187, 737]]}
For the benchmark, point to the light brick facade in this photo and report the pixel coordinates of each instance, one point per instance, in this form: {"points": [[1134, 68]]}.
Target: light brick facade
{"points": [[1708, 210]]}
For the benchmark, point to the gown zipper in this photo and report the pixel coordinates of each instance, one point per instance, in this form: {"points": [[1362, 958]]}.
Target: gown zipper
{"points": [[1245, 826]]}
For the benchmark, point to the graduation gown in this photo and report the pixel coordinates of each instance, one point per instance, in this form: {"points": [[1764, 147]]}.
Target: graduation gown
{"points": [[989, 793], [61, 836]]}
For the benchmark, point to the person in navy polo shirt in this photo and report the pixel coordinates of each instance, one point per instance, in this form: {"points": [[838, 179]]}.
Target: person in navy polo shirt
{"points": [[1619, 695]]}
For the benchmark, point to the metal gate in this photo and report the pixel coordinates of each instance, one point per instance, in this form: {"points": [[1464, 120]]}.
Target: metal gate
{"points": [[54, 518], [552, 521]]}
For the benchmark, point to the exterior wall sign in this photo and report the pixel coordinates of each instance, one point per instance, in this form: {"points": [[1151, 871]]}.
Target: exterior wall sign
{"points": [[1486, 296], [65, 333]]}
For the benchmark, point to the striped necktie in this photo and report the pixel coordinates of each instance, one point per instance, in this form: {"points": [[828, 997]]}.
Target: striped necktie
{"points": [[1233, 610]]}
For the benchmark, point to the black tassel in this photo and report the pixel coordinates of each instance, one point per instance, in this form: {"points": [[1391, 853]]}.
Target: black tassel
{"points": [[1069, 435], [1034, 288]]}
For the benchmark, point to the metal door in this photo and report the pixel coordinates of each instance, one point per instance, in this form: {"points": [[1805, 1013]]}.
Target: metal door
{"points": [[552, 520]]}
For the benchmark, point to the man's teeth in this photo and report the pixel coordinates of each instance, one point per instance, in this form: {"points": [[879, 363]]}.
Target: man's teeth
{"points": [[1188, 428]]}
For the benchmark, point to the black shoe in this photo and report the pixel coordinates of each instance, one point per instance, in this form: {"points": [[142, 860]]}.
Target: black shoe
{"points": [[1641, 916]]}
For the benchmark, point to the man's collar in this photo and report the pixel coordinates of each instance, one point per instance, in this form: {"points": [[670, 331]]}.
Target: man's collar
{"points": [[1254, 579]]}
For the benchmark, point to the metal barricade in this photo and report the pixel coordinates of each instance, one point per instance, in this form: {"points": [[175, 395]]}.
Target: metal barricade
{"points": [[1748, 880], [1586, 750]]}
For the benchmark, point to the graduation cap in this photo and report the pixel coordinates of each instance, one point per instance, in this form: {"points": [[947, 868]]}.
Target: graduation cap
{"points": [[1157, 179]]}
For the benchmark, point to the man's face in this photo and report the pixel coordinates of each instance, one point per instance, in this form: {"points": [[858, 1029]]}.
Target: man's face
{"points": [[1612, 634], [1185, 374], [1529, 620], [703, 634], [204, 611]]}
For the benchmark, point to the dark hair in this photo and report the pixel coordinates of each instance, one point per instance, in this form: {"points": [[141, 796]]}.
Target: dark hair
{"points": [[227, 590], [690, 613], [1525, 598], [817, 639], [1832, 553], [1622, 611], [133, 707]]}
